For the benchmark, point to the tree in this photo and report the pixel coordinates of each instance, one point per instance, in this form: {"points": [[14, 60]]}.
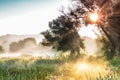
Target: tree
{"points": [[63, 35], [109, 17], [78, 16]]}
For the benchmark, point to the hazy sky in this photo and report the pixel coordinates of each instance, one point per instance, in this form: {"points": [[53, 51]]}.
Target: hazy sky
{"points": [[27, 16], [23, 17]]}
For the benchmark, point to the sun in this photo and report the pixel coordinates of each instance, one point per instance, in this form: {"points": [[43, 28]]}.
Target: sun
{"points": [[94, 17]]}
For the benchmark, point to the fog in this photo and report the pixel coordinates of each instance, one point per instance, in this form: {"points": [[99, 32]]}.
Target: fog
{"points": [[91, 46], [30, 46], [24, 46]]}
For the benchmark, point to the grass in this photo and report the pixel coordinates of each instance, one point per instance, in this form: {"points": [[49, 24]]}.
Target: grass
{"points": [[115, 63], [59, 69], [31, 69]]}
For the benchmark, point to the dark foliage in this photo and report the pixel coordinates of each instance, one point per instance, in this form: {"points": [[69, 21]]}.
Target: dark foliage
{"points": [[109, 18], [63, 35]]}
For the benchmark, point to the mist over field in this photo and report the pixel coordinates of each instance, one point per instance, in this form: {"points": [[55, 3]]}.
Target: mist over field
{"points": [[24, 45], [30, 45]]}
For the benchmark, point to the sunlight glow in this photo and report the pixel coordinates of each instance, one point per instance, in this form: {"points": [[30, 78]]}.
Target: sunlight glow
{"points": [[94, 17], [82, 66], [92, 69], [86, 68], [89, 31]]}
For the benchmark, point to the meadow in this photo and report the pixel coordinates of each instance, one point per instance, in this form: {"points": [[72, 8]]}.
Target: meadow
{"points": [[27, 69], [85, 68]]}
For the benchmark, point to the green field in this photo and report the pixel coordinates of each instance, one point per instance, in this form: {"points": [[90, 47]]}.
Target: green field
{"points": [[59, 69], [27, 69]]}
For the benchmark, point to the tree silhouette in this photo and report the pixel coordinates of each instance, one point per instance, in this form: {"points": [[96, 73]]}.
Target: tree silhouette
{"points": [[63, 35], [109, 17]]}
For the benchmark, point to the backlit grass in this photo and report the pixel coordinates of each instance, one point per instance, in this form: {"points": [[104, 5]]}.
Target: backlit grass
{"points": [[86, 68]]}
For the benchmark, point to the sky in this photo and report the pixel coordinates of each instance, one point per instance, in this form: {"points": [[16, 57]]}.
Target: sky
{"points": [[23, 17], [27, 16]]}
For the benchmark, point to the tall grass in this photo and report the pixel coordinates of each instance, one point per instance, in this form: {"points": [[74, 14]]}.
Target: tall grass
{"points": [[31, 69], [59, 69]]}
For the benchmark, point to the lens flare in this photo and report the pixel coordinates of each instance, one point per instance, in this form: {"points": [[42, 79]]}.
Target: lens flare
{"points": [[94, 17]]}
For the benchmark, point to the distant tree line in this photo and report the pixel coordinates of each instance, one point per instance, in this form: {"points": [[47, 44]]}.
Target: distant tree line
{"points": [[16, 46], [22, 44]]}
